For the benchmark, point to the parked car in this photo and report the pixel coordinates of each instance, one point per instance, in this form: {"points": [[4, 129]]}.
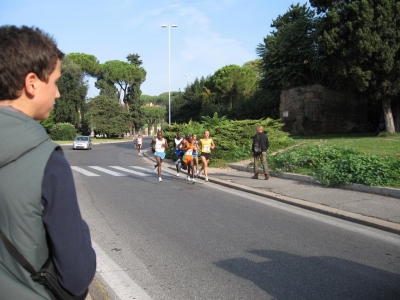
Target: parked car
{"points": [[82, 142]]}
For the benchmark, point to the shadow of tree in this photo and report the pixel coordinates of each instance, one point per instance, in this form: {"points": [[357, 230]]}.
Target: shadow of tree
{"points": [[286, 276]]}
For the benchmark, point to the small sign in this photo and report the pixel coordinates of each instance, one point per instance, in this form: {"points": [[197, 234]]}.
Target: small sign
{"points": [[285, 114]]}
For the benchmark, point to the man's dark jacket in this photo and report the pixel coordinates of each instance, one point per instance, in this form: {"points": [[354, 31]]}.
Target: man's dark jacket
{"points": [[262, 138]]}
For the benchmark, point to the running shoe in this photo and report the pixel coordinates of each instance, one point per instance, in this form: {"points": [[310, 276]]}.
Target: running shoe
{"points": [[159, 179], [188, 178], [155, 167], [197, 173], [177, 174], [206, 179]]}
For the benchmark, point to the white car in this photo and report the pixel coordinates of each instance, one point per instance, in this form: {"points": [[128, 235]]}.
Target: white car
{"points": [[82, 142]]}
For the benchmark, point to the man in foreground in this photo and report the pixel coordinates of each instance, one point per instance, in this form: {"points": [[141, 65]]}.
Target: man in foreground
{"points": [[39, 211]]}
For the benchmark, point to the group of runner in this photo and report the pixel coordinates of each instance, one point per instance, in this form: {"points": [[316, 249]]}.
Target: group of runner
{"points": [[187, 152]]}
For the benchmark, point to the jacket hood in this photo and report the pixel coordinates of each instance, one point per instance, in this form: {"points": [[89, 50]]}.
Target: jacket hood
{"points": [[19, 134]]}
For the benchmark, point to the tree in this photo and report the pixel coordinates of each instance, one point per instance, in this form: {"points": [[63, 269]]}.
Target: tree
{"points": [[108, 116], [137, 115], [187, 105], [134, 59], [289, 54], [88, 63], [233, 83], [361, 42], [70, 107], [124, 75], [152, 114], [255, 65]]}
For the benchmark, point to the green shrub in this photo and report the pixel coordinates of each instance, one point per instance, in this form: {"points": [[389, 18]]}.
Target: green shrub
{"points": [[362, 168], [233, 139], [62, 132], [311, 157], [333, 165]]}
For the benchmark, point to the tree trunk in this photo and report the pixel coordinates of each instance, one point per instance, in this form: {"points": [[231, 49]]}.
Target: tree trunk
{"points": [[131, 128], [388, 115]]}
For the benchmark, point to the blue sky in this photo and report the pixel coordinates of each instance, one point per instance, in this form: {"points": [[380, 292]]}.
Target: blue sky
{"points": [[210, 34]]}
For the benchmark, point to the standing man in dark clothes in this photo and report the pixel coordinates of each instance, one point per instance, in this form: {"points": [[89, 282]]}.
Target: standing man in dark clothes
{"points": [[39, 211], [262, 140]]}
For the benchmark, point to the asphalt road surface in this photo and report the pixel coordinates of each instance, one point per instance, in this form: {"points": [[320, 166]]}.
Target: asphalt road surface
{"points": [[178, 240]]}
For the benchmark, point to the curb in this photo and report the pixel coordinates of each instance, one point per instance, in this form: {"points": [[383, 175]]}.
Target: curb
{"points": [[377, 190]]}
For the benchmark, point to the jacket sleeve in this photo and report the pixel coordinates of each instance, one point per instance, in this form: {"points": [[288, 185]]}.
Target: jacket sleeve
{"points": [[252, 145], [69, 234]]}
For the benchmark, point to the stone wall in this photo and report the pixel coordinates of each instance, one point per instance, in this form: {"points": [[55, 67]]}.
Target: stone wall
{"points": [[312, 110]]}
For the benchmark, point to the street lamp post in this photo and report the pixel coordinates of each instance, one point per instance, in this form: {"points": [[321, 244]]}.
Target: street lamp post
{"points": [[188, 76], [169, 70]]}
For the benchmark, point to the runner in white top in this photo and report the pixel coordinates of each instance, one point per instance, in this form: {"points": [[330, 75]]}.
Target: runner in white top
{"points": [[139, 143], [159, 145]]}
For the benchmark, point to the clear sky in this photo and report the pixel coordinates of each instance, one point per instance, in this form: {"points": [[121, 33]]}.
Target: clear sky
{"points": [[210, 34]]}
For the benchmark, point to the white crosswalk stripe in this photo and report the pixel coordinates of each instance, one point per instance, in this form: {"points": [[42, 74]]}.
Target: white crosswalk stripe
{"points": [[106, 171], [151, 171], [139, 171], [83, 171], [129, 171]]}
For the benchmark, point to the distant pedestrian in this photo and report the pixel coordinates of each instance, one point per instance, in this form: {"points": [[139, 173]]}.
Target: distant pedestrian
{"points": [[259, 151], [139, 143], [178, 152], [206, 145], [159, 145]]}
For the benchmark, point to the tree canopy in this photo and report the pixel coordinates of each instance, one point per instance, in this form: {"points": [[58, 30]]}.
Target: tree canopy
{"points": [[70, 107], [361, 41], [108, 116]]}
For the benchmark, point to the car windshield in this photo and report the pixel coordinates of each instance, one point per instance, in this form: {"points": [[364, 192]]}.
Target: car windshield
{"points": [[82, 138]]}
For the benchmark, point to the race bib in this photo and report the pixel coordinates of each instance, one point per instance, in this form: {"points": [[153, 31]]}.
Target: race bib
{"points": [[189, 152], [207, 148]]}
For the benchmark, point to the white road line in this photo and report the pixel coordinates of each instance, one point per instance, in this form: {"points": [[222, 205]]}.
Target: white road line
{"points": [[115, 277], [129, 171], [84, 172], [150, 171], [106, 171]]}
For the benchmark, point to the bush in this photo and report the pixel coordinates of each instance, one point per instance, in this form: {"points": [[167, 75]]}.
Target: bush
{"points": [[310, 157], [333, 165], [233, 139], [62, 132], [362, 169]]}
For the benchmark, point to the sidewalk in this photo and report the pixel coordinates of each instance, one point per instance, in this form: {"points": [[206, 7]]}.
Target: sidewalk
{"points": [[376, 207]]}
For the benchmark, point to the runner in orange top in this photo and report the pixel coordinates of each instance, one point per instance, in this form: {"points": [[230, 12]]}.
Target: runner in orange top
{"points": [[188, 147]]}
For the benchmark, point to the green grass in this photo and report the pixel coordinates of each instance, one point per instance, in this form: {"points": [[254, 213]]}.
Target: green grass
{"points": [[382, 145]]}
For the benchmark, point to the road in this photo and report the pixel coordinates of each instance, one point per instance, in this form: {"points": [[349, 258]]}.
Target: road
{"points": [[177, 240]]}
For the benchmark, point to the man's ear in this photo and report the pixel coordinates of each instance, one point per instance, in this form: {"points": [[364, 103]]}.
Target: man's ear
{"points": [[31, 81]]}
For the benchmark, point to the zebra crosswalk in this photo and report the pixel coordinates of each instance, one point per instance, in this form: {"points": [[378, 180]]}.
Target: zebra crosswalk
{"points": [[93, 171]]}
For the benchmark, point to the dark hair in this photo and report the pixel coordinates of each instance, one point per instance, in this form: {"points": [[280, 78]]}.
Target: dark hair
{"points": [[24, 50]]}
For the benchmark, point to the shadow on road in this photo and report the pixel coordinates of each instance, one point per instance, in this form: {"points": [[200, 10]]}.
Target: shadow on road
{"points": [[285, 276]]}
